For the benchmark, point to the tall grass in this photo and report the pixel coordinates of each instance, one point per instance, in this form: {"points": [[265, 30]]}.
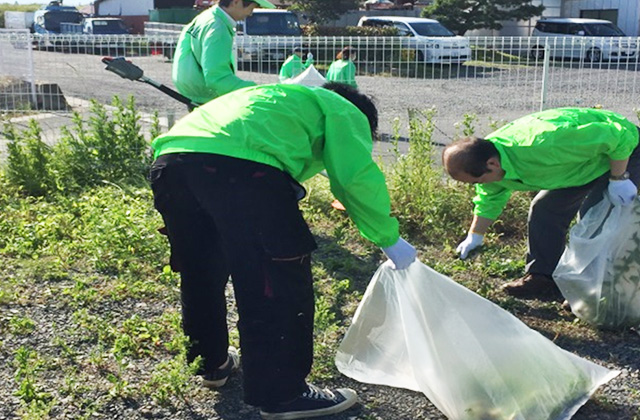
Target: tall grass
{"points": [[428, 204]]}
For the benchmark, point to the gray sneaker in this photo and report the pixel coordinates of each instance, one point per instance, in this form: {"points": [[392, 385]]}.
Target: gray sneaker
{"points": [[313, 402], [219, 377]]}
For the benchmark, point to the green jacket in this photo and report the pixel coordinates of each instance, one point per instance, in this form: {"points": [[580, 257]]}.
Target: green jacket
{"points": [[552, 149], [300, 130], [342, 71], [204, 62], [293, 66]]}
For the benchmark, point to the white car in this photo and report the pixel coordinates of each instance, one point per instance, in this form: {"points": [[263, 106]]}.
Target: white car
{"points": [[432, 42], [592, 40]]}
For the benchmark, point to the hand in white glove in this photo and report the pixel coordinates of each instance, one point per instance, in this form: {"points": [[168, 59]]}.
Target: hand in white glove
{"points": [[472, 241], [402, 253], [623, 192], [309, 56]]}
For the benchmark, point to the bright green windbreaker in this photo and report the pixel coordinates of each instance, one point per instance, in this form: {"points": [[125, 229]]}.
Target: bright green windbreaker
{"points": [[342, 71], [293, 66], [552, 149], [300, 130], [204, 64]]}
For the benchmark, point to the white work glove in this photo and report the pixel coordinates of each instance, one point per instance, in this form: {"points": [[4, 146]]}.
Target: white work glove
{"points": [[472, 241], [402, 254], [309, 56], [622, 192]]}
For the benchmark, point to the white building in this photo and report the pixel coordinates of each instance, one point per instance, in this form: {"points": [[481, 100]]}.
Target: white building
{"points": [[136, 12]]}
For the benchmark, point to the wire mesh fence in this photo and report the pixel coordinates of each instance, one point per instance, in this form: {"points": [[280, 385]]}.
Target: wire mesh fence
{"points": [[546, 72]]}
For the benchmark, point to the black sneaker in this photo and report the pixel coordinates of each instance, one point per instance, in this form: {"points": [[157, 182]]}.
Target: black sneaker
{"points": [[219, 377], [313, 402]]}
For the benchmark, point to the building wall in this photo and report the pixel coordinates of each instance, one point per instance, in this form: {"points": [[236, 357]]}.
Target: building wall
{"points": [[124, 8], [628, 12]]}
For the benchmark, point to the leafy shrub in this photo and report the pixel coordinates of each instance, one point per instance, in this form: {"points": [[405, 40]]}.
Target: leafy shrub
{"points": [[28, 160], [318, 30], [111, 149], [427, 203]]}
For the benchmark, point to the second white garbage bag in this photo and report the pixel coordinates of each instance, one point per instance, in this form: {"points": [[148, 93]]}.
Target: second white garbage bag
{"points": [[420, 330], [599, 271]]}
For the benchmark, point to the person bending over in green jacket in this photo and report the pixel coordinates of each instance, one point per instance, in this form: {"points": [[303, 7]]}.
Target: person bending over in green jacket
{"points": [[571, 155], [343, 70], [226, 180], [204, 63], [293, 65]]}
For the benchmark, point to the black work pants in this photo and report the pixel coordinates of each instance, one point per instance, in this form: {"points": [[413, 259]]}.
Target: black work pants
{"points": [[552, 211], [233, 217]]}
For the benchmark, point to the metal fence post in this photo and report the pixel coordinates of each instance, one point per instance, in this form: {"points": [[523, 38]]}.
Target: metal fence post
{"points": [[545, 76]]}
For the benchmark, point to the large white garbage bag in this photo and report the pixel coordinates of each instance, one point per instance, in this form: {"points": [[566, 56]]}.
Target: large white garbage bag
{"points": [[309, 77], [420, 330], [599, 271]]}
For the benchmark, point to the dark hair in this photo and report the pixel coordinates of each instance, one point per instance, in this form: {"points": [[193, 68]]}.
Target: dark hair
{"points": [[469, 154], [363, 102], [226, 3], [345, 53]]}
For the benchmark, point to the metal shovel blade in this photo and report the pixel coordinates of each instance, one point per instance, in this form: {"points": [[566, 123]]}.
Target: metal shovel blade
{"points": [[123, 68]]}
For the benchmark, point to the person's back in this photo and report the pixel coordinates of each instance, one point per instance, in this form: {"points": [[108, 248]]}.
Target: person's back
{"points": [[204, 63], [293, 65], [343, 70], [226, 182]]}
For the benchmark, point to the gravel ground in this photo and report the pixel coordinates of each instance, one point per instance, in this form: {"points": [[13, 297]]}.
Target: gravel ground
{"points": [[84, 77]]}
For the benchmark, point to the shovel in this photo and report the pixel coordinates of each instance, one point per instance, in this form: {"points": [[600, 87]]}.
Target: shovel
{"points": [[127, 70]]}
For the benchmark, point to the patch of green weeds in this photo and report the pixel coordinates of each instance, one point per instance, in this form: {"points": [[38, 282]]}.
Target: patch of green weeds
{"points": [[33, 401], [21, 325]]}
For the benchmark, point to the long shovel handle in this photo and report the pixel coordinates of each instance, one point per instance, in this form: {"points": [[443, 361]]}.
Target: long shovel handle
{"points": [[127, 70]]}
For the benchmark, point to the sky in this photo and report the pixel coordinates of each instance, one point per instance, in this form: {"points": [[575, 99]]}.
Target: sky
{"points": [[65, 2]]}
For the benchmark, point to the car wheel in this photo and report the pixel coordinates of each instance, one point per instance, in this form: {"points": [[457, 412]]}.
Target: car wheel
{"points": [[594, 55], [537, 53]]}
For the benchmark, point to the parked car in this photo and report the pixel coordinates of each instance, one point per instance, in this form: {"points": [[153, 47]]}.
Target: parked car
{"points": [[96, 26], [432, 42], [592, 40], [389, 5], [379, 5]]}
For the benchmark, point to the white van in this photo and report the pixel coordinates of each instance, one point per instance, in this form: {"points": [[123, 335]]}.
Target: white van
{"points": [[432, 42], [589, 39]]}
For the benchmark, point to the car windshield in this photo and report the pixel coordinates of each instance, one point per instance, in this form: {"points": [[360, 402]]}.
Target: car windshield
{"points": [[52, 20], [602, 29], [273, 24], [109, 27], [430, 29]]}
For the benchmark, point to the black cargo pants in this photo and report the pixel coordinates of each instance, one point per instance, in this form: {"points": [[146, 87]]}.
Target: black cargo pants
{"points": [[233, 217]]}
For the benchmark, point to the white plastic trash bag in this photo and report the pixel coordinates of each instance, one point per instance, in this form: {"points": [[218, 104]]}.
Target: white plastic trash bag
{"points": [[599, 271], [309, 77], [420, 330]]}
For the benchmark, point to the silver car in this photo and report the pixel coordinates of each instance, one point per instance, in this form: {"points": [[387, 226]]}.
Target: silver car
{"points": [[591, 40]]}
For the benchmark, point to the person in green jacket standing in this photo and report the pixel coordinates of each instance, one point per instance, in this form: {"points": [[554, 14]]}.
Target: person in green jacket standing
{"points": [[343, 70], [204, 63], [571, 155], [226, 180], [293, 65]]}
